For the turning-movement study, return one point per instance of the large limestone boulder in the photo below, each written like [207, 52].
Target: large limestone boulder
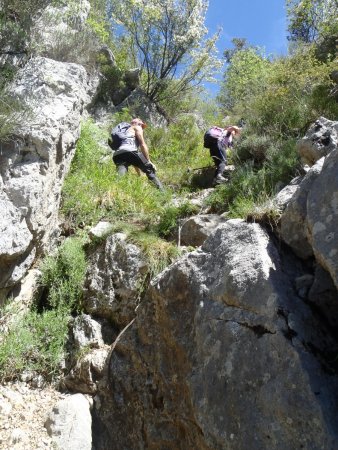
[114, 279]
[69, 424]
[322, 216]
[34, 163]
[222, 355]
[319, 141]
[310, 222]
[293, 227]
[194, 230]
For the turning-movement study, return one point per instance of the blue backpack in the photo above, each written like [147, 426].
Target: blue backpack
[118, 134]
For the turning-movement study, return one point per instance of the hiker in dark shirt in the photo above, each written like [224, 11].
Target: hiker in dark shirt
[133, 151]
[217, 140]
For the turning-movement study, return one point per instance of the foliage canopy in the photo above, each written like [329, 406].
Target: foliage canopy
[167, 39]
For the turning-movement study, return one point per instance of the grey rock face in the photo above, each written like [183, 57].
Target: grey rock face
[293, 228]
[323, 294]
[319, 141]
[196, 229]
[141, 106]
[100, 230]
[221, 357]
[34, 164]
[115, 273]
[322, 216]
[89, 355]
[87, 371]
[285, 195]
[16, 249]
[69, 424]
[310, 222]
[87, 332]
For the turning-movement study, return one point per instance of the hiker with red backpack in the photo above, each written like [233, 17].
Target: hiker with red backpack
[217, 140]
[130, 149]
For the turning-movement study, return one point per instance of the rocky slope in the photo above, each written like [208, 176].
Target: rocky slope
[232, 347]
[223, 354]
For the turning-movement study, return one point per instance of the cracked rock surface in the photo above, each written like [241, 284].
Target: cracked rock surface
[34, 162]
[222, 355]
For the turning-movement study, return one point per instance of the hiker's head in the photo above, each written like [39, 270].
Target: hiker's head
[138, 121]
[234, 129]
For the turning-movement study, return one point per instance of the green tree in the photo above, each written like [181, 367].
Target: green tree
[310, 19]
[16, 20]
[314, 21]
[244, 76]
[239, 44]
[167, 39]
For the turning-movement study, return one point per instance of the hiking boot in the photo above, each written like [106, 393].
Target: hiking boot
[157, 183]
[219, 180]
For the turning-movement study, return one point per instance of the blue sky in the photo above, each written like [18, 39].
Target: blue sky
[261, 22]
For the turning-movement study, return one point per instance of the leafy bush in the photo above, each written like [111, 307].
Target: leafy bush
[170, 217]
[252, 147]
[112, 80]
[178, 148]
[280, 96]
[244, 78]
[63, 275]
[35, 343]
[250, 186]
[36, 340]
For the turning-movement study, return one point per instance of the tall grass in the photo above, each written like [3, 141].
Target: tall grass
[251, 186]
[93, 190]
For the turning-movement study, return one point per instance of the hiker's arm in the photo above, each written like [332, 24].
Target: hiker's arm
[141, 141]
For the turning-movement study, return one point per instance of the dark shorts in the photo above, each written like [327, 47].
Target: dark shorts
[136, 159]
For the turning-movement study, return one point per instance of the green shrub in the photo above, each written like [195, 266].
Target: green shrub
[250, 186]
[158, 252]
[252, 147]
[63, 275]
[35, 343]
[111, 80]
[36, 340]
[177, 149]
[170, 216]
[280, 96]
[285, 105]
